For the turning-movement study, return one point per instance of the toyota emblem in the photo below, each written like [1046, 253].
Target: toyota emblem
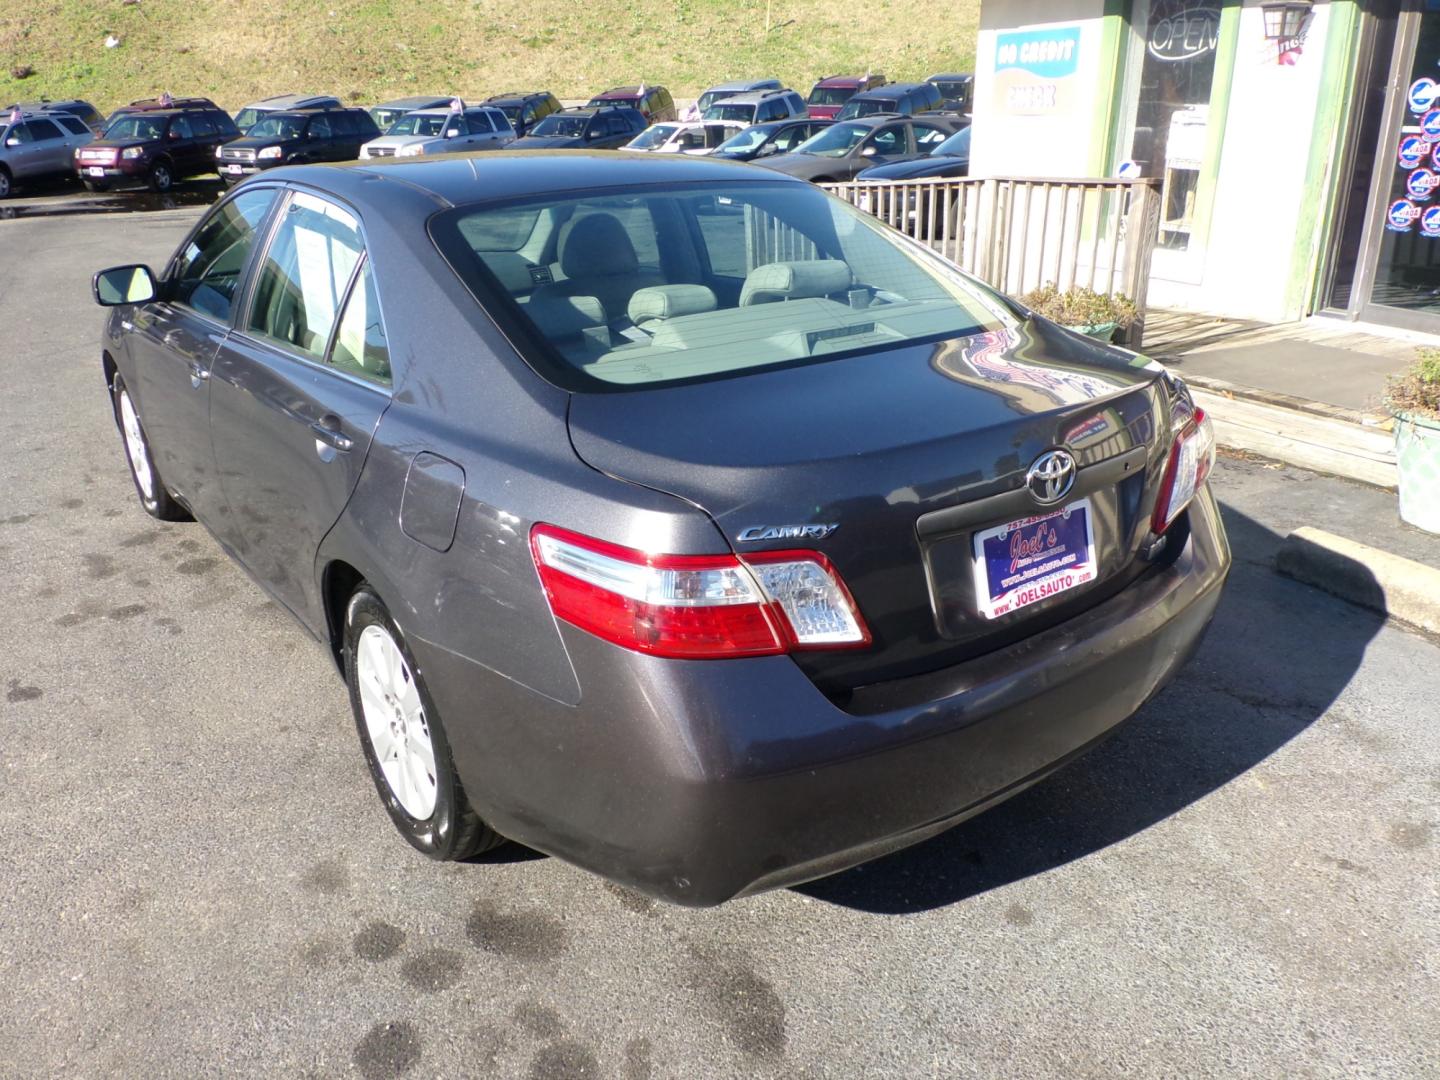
[1051, 476]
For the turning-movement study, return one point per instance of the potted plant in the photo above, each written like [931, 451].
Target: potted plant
[1097, 315]
[1414, 401]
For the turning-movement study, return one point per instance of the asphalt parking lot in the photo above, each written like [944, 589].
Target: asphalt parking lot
[199, 878]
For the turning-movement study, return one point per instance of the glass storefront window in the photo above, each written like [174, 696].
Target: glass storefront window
[1171, 105]
[1407, 269]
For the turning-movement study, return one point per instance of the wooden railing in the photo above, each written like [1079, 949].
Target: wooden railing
[1019, 233]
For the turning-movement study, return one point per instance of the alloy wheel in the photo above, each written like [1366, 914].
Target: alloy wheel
[395, 721]
[135, 446]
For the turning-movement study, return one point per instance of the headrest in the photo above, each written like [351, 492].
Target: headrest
[511, 269]
[597, 244]
[564, 316]
[795, 280]
[668, 302]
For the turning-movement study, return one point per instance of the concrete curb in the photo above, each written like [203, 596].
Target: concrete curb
[1366, 576]
[1307, 438]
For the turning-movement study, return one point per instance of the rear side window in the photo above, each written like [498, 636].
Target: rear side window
[205, 274]
[360, 347]
[305, 275]
[74, 125]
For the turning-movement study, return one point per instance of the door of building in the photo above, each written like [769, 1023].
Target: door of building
[1385, 264]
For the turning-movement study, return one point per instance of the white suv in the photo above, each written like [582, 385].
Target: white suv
[442, 131]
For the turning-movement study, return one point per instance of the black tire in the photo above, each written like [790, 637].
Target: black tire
[162, 176]
[91, 185]
[154, 496]
[6, 187]
[453, 830]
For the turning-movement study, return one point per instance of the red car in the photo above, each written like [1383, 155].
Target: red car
[831, 93]
[652, 102]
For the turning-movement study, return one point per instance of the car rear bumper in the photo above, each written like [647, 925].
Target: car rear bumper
[700, 781]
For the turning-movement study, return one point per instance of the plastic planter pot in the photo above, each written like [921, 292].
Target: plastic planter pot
[1417, 454]
[1100, 331]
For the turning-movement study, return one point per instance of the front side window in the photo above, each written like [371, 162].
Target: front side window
[320, 128]
[889, 141]
[835, 141]
[782, 275]
[305, 275]
[206, 273]
[653, 136]
[565, 127]
[180, 128]
[927, 137]
[429, 124]
[278, 127]
[479, 122]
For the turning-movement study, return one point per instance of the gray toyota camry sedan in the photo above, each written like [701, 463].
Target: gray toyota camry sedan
[668, 516]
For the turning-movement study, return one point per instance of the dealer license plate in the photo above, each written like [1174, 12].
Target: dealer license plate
[96, 170]
[1023, 562]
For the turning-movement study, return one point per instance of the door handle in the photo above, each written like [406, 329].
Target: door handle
[198, 376]
[327, 433]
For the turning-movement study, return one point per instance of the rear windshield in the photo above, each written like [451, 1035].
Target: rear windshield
[247, 117]
[711, 96]
[830, 95]
[616, 290]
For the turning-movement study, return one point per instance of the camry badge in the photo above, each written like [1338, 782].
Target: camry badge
[1051, 476]
[756, 533]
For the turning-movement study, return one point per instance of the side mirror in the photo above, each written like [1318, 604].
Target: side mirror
[174, 134]
[868, 151]
[767, 150]
[450, 133]
[592, 134]
[133, 284]
[12, 142]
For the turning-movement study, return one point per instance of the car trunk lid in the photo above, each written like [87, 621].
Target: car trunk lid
[909, 453]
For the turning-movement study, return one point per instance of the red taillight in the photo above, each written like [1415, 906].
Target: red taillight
[696, 606]
[1192, 456]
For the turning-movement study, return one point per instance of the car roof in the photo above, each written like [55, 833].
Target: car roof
[752, 97]
[591, 110]
[412, 103]
[176, 105]
[276, 102]
[744, 84]
[893, 90]
[517, 98]
[626, 91]
[959, 76]
[306, 114]
[845, 80]
[499, 175]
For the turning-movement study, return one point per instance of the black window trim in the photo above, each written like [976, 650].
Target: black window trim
[242, 292]
[240, 326]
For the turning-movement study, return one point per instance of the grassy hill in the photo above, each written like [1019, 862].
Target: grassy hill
[368, 50]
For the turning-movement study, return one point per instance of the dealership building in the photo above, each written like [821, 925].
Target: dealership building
[1296, 145]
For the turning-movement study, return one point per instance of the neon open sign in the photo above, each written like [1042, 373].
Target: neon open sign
[1185, 35]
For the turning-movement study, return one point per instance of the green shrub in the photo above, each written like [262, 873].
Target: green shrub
[1417, 390]
[1079, 306]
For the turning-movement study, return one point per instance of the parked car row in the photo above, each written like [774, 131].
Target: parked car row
[159, 141]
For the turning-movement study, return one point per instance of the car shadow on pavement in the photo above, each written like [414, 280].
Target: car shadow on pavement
[1277, 656]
